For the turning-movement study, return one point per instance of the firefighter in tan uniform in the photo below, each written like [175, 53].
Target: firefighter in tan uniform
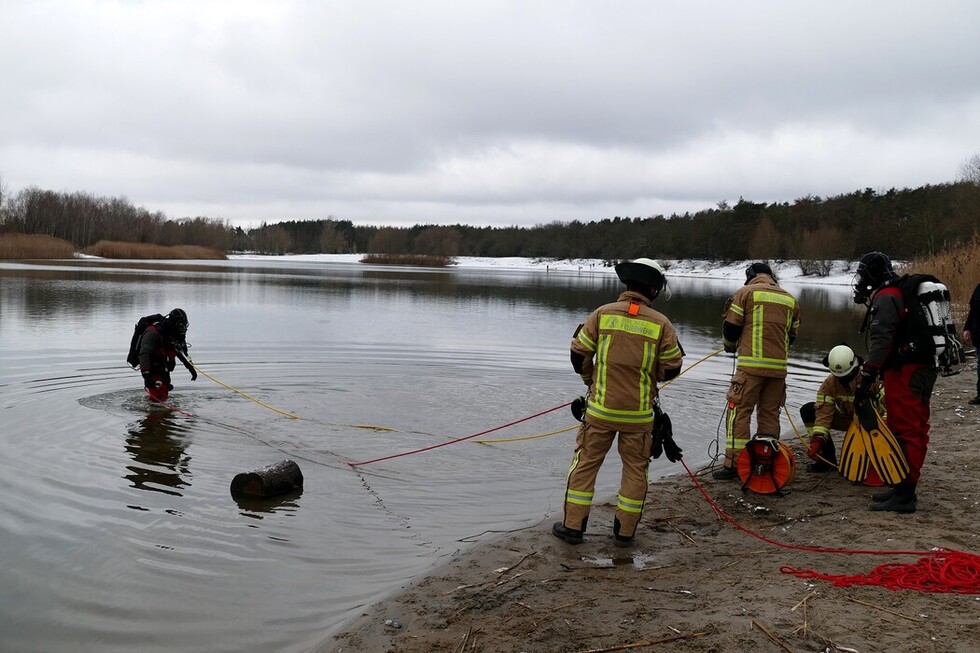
[761, 322]
[621, 352]
[834, 407]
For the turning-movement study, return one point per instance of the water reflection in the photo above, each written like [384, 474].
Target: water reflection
[159, 453]
[284, 503]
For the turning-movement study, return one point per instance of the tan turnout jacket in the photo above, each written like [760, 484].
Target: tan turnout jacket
[770, 319]
[628, 346]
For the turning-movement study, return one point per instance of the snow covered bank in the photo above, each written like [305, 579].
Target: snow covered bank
[786, 271]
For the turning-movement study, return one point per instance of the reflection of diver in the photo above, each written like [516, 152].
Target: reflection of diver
[160, 462]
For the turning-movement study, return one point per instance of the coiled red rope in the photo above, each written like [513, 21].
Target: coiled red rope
[941, 570]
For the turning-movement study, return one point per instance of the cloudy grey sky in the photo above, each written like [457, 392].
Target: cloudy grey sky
[482, 112]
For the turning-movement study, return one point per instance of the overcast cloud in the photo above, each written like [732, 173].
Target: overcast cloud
[482, 113]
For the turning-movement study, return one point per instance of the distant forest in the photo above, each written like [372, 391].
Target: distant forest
[907, 224]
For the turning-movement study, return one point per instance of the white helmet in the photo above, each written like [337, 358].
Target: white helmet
[841, 360]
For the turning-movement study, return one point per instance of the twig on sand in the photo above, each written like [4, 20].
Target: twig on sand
[688, 537]
[805, 627]
[772, 636]
[568, 605]
[466, 638]
[648, 642]
[502, 570]
[805, 599]
[878, 607]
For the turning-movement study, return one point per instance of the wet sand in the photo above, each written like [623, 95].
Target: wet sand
[695, 582]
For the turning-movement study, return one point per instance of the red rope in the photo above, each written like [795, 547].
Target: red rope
[165, 404]
[468, 437]
[940, 570]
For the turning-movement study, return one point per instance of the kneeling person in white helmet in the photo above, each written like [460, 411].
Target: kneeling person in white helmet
[834, 407]
[621, 351]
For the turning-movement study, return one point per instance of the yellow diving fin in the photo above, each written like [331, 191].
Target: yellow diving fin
[885, 452]
[854, 458]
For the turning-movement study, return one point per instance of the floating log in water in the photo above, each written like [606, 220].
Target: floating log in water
[279, 478]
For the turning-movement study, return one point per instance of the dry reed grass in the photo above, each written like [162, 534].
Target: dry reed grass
[122, 250]
[32, 246]
[424, 260]
[959, 270]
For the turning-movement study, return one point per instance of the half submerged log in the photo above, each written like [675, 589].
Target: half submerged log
[284, 476]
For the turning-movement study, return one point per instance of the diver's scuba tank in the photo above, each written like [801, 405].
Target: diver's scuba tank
[934, 299]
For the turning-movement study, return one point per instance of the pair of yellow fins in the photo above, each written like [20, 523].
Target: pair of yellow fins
[870, 444]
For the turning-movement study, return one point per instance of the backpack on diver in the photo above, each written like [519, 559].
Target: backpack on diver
[134, 344]
[931, 328]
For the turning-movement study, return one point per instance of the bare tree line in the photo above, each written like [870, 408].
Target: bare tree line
[907, 223]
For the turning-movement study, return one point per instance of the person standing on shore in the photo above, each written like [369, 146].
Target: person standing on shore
[909, 372]
[621, 351]
[761, 321]
[160, 346]
[971, 332]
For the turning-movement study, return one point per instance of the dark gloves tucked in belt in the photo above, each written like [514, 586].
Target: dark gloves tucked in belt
[663, 438]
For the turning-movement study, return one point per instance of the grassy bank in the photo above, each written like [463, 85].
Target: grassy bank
[116, 249]
[27, 246]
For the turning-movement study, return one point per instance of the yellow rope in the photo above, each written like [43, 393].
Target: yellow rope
[691, 366]
[806, 445]
[528, 437]
[570, 428]
[247, 396]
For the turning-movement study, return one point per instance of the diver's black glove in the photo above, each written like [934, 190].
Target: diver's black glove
[863, 391]
[148, 381]
[190, 368]
[578, 408]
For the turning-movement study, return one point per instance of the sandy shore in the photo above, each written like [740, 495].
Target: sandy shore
[695, 582]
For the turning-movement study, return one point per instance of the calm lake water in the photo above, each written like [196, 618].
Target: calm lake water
[117, 529]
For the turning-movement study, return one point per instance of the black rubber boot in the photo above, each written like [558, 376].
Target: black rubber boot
[725, 474]
[620, 540]
[902, 500]
[883, 495]
[569, 535]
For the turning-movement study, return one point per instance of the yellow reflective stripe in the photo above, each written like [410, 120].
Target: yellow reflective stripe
[585, 340]
[630, 325]
[758, 322]
[825, 399]
[630, 505]
[670, 354]
[768, 297]
[599, 373]
[643, 416]
[821, 430]
[647, 364]
[578, 498]
[737, 310]
[571, 467]
[762, 363]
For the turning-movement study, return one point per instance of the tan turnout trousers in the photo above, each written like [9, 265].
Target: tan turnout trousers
[592, 445]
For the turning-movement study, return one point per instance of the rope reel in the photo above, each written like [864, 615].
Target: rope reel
[766, 466]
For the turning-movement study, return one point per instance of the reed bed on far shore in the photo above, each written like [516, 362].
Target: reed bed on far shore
[423, 260]
[959, 270]
[28, 246]
[117, 250]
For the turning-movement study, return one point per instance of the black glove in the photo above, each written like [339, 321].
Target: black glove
[863, 391]
[578, 408]
[148, 381]
[170, 386]
[190, 368]
[671, 450]
[663, 437]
